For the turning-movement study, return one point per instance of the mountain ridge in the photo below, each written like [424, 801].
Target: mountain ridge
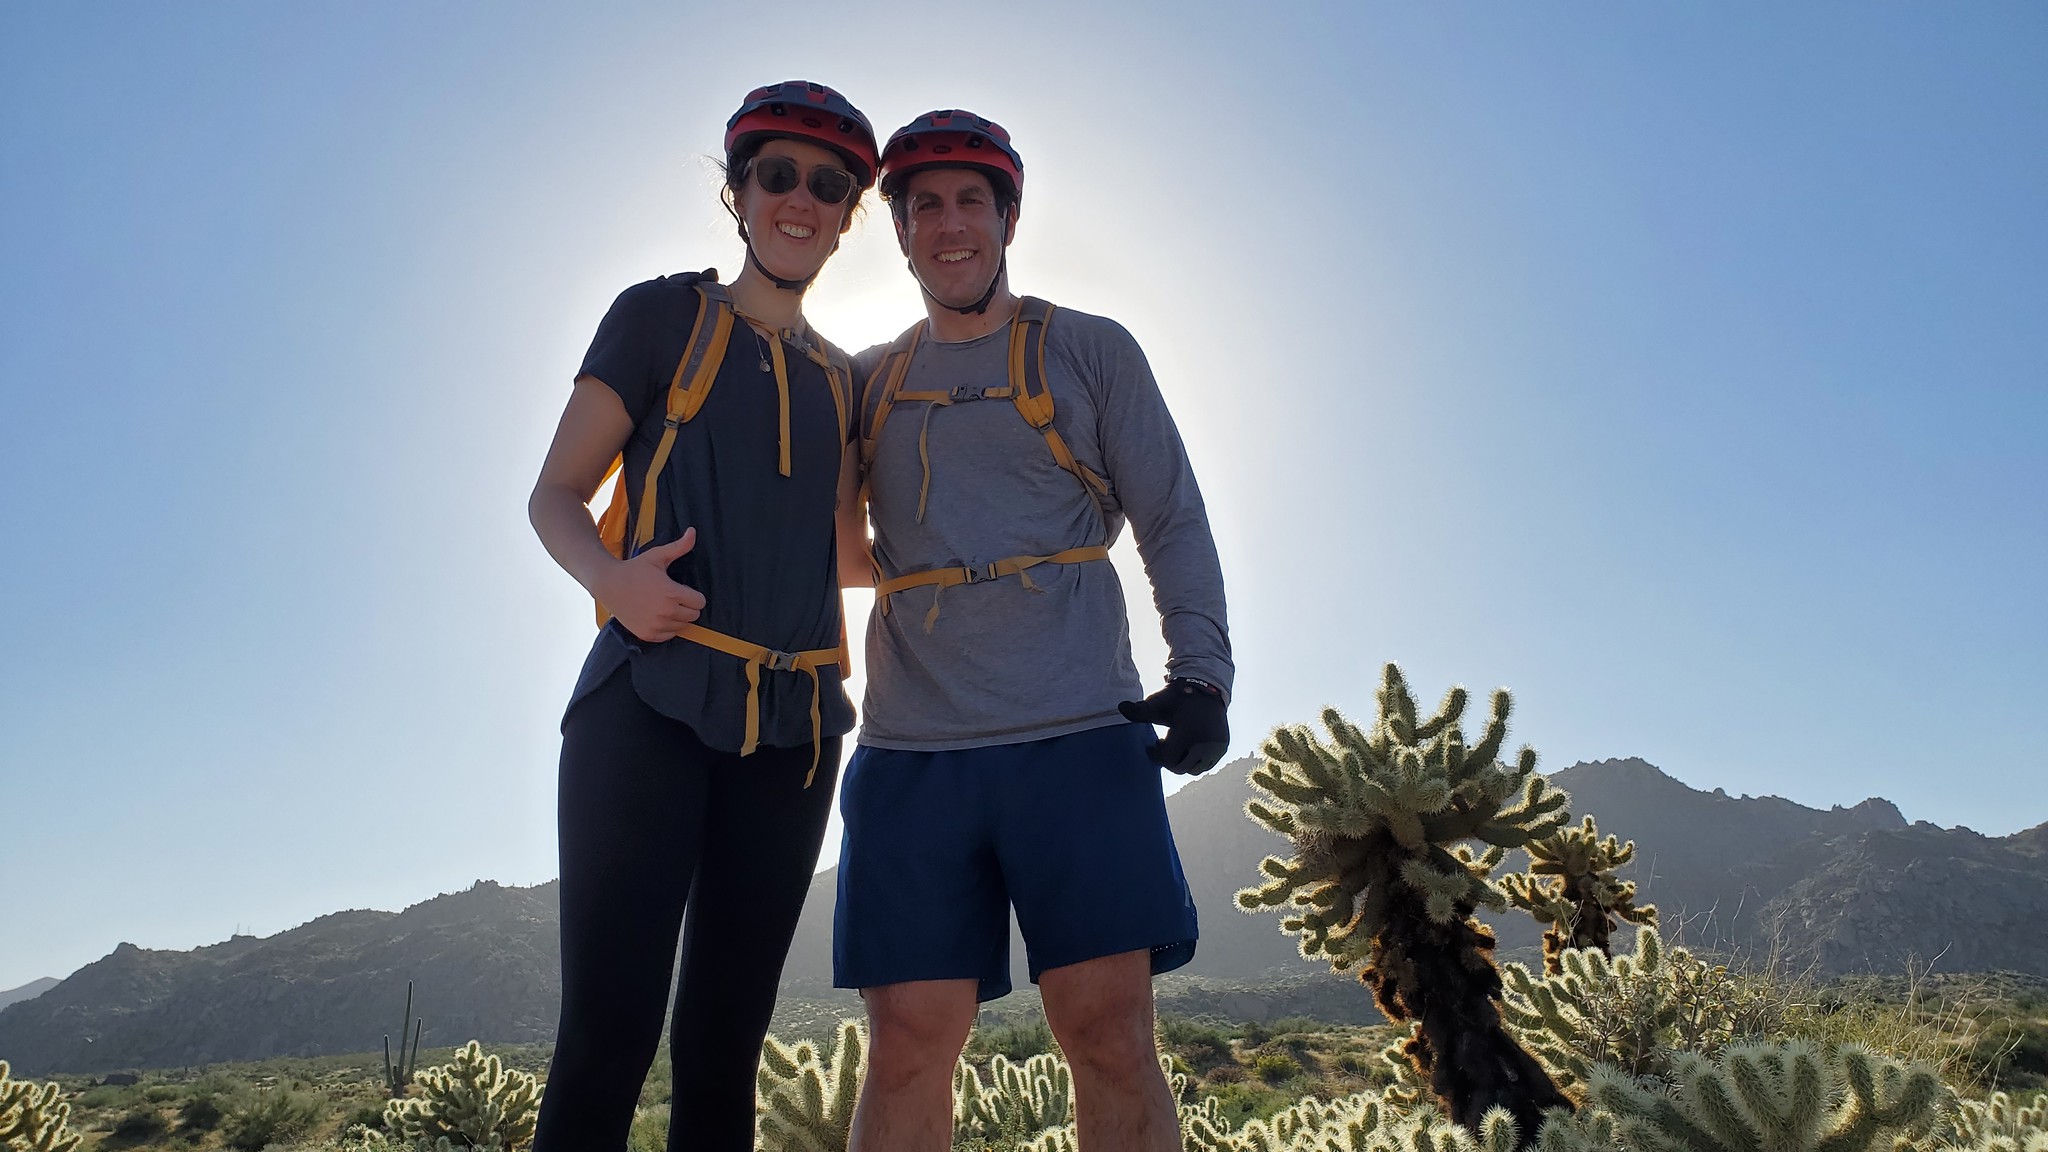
[1848, 889]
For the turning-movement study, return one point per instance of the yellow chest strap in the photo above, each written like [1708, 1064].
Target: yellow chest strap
[1030, 393]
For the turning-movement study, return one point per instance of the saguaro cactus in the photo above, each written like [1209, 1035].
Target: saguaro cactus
[398, 1077]
[33, 1117]
[1383, 872]
[1571, 887]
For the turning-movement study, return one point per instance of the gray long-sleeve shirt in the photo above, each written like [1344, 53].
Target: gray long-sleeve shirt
[1004, 664]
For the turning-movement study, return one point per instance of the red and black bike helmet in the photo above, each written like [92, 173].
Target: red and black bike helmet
[802, 110]
[952, 138]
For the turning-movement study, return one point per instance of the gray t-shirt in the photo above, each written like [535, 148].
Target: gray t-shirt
[1003, 663]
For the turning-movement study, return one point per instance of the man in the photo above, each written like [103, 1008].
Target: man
[1004, 758]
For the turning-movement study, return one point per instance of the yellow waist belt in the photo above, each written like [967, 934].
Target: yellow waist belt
[757, 658]
[943, 578]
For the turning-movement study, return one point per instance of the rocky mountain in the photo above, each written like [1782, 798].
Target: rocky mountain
[28, 991]
[483, 962]
[1854, 889]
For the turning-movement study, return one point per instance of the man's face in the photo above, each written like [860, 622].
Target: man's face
[952, 233]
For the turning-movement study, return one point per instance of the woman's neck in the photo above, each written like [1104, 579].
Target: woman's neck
[754, 295]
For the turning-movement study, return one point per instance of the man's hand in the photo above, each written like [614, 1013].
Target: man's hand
[640, 595]
[1196, 722]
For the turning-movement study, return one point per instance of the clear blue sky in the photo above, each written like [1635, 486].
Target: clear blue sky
[1680, 366]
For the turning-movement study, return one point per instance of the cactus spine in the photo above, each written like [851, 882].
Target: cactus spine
[473, 1101]
[1635, 1011]
[398, 1077]
[806, 1104]
[2002, 1124]
[1789, 1096]
[1571, 887]
[1019, 1100]
[1382, 872]
[33, 1117]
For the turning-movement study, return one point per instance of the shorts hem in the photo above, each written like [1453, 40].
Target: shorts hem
[1165, 957]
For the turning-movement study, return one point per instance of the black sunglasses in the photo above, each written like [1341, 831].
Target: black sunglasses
[777, 175]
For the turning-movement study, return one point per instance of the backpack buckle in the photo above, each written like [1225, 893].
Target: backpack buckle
[781, 662]
[961, 393]
[981, 575]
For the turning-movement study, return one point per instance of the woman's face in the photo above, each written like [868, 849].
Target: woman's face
[793, 232]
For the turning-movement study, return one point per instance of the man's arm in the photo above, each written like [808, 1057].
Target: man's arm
[1148, 468]
[856, 568]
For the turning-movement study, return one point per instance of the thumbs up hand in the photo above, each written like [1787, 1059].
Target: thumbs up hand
[639, 594]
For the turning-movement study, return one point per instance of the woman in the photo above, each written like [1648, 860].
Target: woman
[701, 742]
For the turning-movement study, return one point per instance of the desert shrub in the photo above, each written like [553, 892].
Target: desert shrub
[140, 1123]
[650, 1130]
[271, 1117]
[161, 1093]
[1921, 1025]
[201, 1112]
[1203, 1046]
[365, 1116]
[1014, 1040]
[1275, 1067]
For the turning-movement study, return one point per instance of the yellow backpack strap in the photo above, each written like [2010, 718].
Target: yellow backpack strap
[888, 376]
[687, 390]
[1030, 393]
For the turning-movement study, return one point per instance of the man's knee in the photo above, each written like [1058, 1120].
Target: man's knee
[1101, 1010]
[916, 1026]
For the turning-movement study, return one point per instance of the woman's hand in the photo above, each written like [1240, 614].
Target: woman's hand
[639, 594]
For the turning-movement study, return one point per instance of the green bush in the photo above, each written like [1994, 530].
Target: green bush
[272, 1117]
[1275, 1067]
[161, 1093]
[201, 1112]
[1202, 1046]
[141, 1123]
[650, 1130]
[1016, 1040]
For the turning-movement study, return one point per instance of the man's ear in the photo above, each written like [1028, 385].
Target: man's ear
[1010, 229]
[902, 237]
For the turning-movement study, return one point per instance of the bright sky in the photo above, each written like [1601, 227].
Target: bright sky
[1680, 366]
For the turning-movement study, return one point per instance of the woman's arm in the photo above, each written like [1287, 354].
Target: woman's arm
[594, 427]
[856, 569]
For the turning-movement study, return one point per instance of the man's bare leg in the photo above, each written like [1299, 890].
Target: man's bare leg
[1101, 1012]
[915, 1033]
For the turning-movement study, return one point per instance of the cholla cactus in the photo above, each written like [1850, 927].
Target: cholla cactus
[1789, 1096]
[1635, 1011]
[806, 1104]
[2001, 1124]
[1020, 1100]
[472, 1101]
[1383, 872]
[33, 1117]
[1571, 887]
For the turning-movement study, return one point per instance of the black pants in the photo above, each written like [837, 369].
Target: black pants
[660, 833]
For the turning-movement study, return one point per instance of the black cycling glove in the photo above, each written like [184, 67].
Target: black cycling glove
[1196, 721]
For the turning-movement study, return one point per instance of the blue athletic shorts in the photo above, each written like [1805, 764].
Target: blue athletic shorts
[939, 845]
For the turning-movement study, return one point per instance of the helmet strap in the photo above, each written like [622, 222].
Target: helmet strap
[798, 286]
[979, 307]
